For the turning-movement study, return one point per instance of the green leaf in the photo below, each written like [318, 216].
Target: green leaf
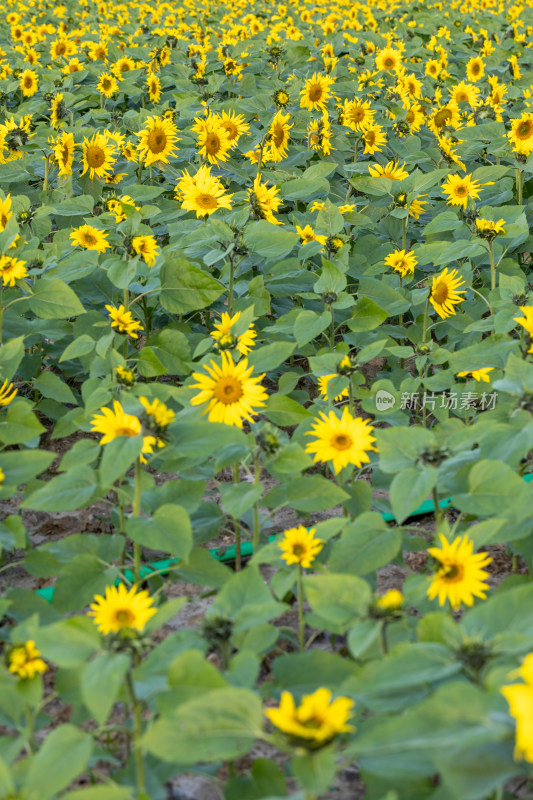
[69, 642]
[81, 346]
[399, 448]
[269, 240]
[72, 490]
[308, 325]
[190, 675]
[366, 545]
[185, 287]
[168, 530]
[246, 600]
[285, 411]
[308, 493]
[315, 771]
[20, 424]
[107, 792]
[494, 489]
[53, 299]
[332, 279]
[20, 466]
[238, 498]
[219, 725]
[270, 356]
[50, 385]
[62, 757]
[79, 580]
[304, 188]
[330, 219]
[337, 599]
[366, 316]
[118, 456]
[11, 354]
[101, 682]
[301, 673]
[409, 488]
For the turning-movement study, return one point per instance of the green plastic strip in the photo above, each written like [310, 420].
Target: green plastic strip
[427, 507]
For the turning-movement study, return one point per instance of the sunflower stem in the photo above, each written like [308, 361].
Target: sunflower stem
[46, 173]
[350, 396]
[425, 324]
[237, 525]
[519, 186]
[437, 509]
[404, 235]
[332, 327]
[492, 266]
[257, 475]
[136, 512]
[383, 639]
[1, 312]
[137, 729]
[301, 621]
[231, 281]
[29, 728]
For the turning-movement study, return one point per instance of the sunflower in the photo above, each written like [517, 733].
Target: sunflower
[89, 238]
[416, 209]
[393, 171]
[343, 441]
[445, 292]
[59, 48]
[58, 110]
[448, 152]
[520, 699]
[125, 376]
[465, 93]
[203, 192]
[319, 134]
[357, 115]
[7, 393]
[5, 212]
[264, 201]
[374, 139]
[433, 67]
[146, 247]
[116, 422]
[225, 338]
[97, 51]
[123, 321]
[402, 262]
[412, 85]
[526, 322]
[300, 546]
[107, 85]
[460, 575]
[24, 660]
[521, 134]
[157, 140]
[98, 156]
[11, 270]
[475, 69]
[278, 137]
[317, 719]
[153, 87]
[121, 609]
[63, 153]
[323, 383]
[514, 68]
[479, 375]
[443, 117]
[390, 601]
[159, 416]
[122, 66]
[213, 140]
[488, 229]
[459, 189]
[74, 65]
[414, 117]
[229, 390]
[388, 59]
[316, 91]
[281, 98]
[307, 235]
[234, 125]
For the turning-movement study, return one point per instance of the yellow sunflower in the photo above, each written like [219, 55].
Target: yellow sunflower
[520, 699]
[159, 416]
[12, 270]
[459, 189]
[58, 110]
[89, 238]
[343, 441]
[213, 141]
[307, 235]
[98, 156]
[123, 321]
[121, 609]
[402, 262]
[443, 117]
[153, 87]
[357, 114]
[475, 69]
[300, 546]
[278, 137]
[264, 201]
[479, 375]
[107, 85]
[225, 338]
[316, 91]
[25, 661]
[392, 170]
[460, 576]
[202, 193]
[374, 139]
[521, 134]
[123, 65]
[28, 83]
[488, 229]
[317, 719]
[146, 247]
[230, 392]
[388, 59]
[445, 293]
[323, 383]
[234, 125]
[465, 93]
[63, 153]
[157, 140]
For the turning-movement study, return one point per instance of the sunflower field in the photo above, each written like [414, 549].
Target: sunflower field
[266, 400]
